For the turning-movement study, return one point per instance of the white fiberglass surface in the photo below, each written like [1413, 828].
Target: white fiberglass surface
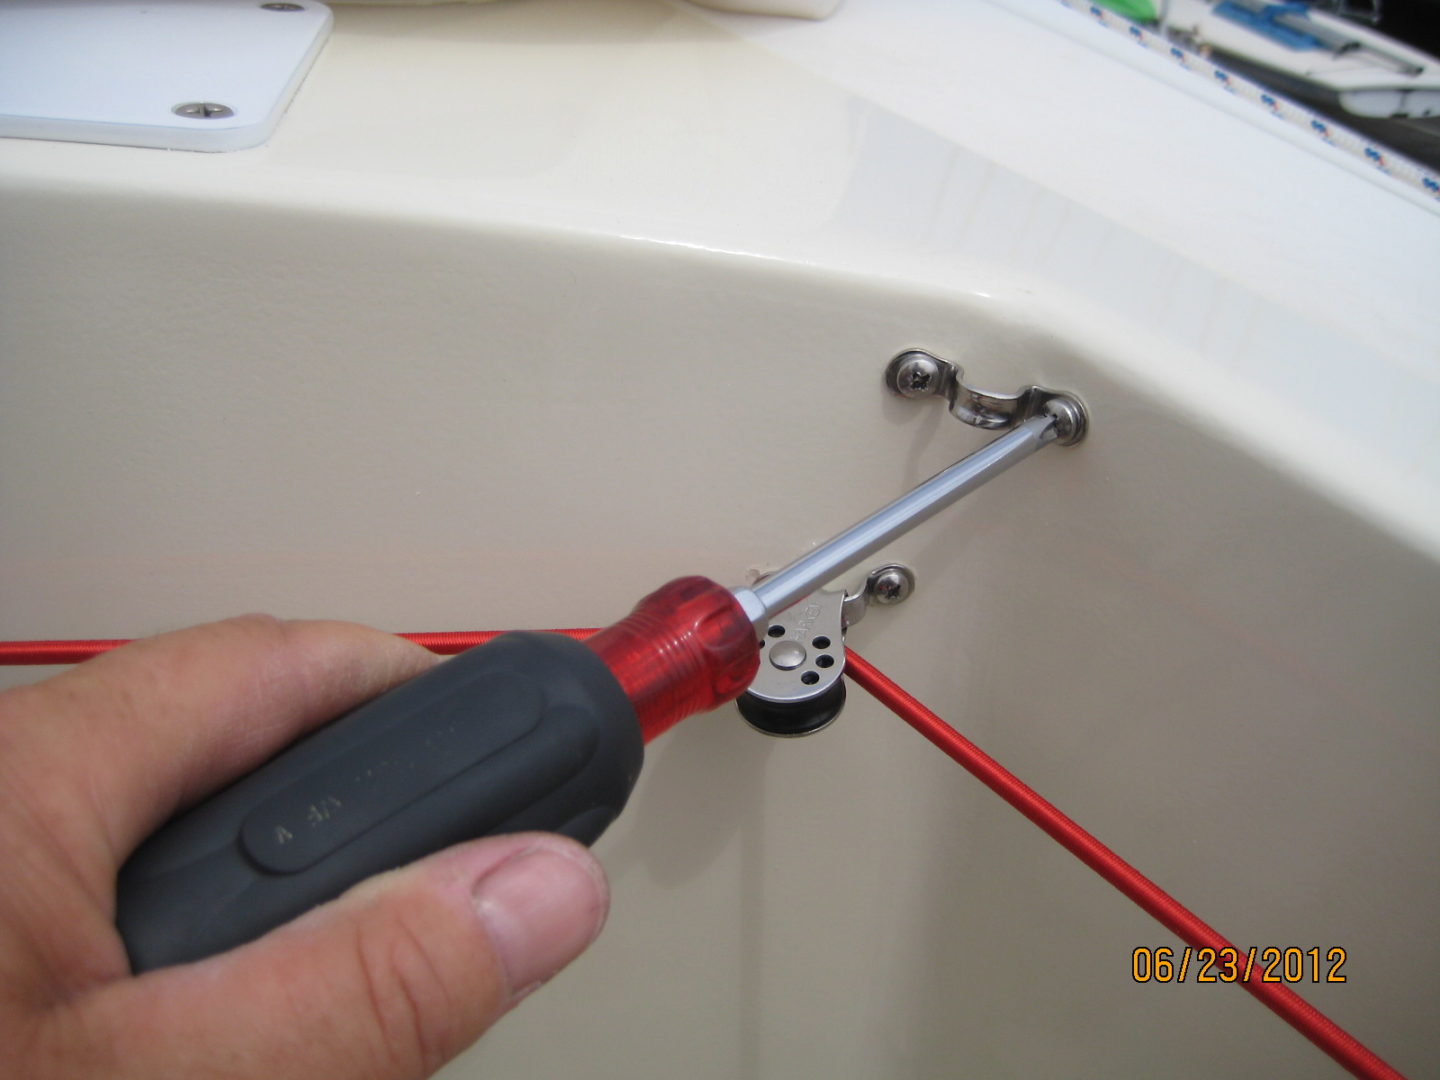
[618, 311]
[1265, 275]
[1078, 109]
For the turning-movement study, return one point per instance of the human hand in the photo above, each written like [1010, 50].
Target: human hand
[390, 980]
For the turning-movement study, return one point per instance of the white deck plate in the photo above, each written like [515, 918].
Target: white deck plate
[113, 71]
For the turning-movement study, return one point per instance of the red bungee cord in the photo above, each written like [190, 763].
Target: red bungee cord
[445, 643]
[1169, 912]
[1155, 901]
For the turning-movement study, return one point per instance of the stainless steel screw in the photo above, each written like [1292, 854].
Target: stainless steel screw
[890, 584]
[203, 110]
[1070, 419]
[915, 375]
[282, 7]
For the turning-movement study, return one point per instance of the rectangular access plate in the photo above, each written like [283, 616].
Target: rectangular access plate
[116, 71]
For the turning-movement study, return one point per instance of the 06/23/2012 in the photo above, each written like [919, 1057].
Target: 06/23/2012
[1271, 964]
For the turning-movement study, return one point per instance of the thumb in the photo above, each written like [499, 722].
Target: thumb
[391, 980]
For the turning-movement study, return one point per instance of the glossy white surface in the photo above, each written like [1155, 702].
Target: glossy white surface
[802, 9]
[114, 71]
[515, 361]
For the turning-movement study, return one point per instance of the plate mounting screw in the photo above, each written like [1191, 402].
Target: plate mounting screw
[203, 110]
[914, 375]
[890, 584]
[282, 7]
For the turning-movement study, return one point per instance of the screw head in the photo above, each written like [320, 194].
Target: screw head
[1070, 419]
[914, 375]
[203, 110]
[890, 584]
[282, 7]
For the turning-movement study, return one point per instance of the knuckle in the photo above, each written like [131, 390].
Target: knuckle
[413, 1004]
[256, 622]
[257, 629]
[57, 1042]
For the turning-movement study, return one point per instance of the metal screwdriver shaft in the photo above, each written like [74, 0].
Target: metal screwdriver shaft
[840, 553]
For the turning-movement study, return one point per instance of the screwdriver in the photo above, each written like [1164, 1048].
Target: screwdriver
[529, 731]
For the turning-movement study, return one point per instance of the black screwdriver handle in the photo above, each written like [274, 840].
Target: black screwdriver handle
[531, 731]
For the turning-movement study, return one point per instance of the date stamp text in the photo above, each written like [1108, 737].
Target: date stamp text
[1270, 964]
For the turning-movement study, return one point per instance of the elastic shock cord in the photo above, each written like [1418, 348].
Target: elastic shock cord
[1309, 1021]
[1155, 901]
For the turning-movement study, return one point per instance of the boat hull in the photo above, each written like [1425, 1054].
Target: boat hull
[437, 389]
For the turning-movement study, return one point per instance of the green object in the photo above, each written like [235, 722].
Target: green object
[1140, 11]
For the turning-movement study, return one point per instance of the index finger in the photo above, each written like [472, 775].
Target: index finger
[118, 744]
